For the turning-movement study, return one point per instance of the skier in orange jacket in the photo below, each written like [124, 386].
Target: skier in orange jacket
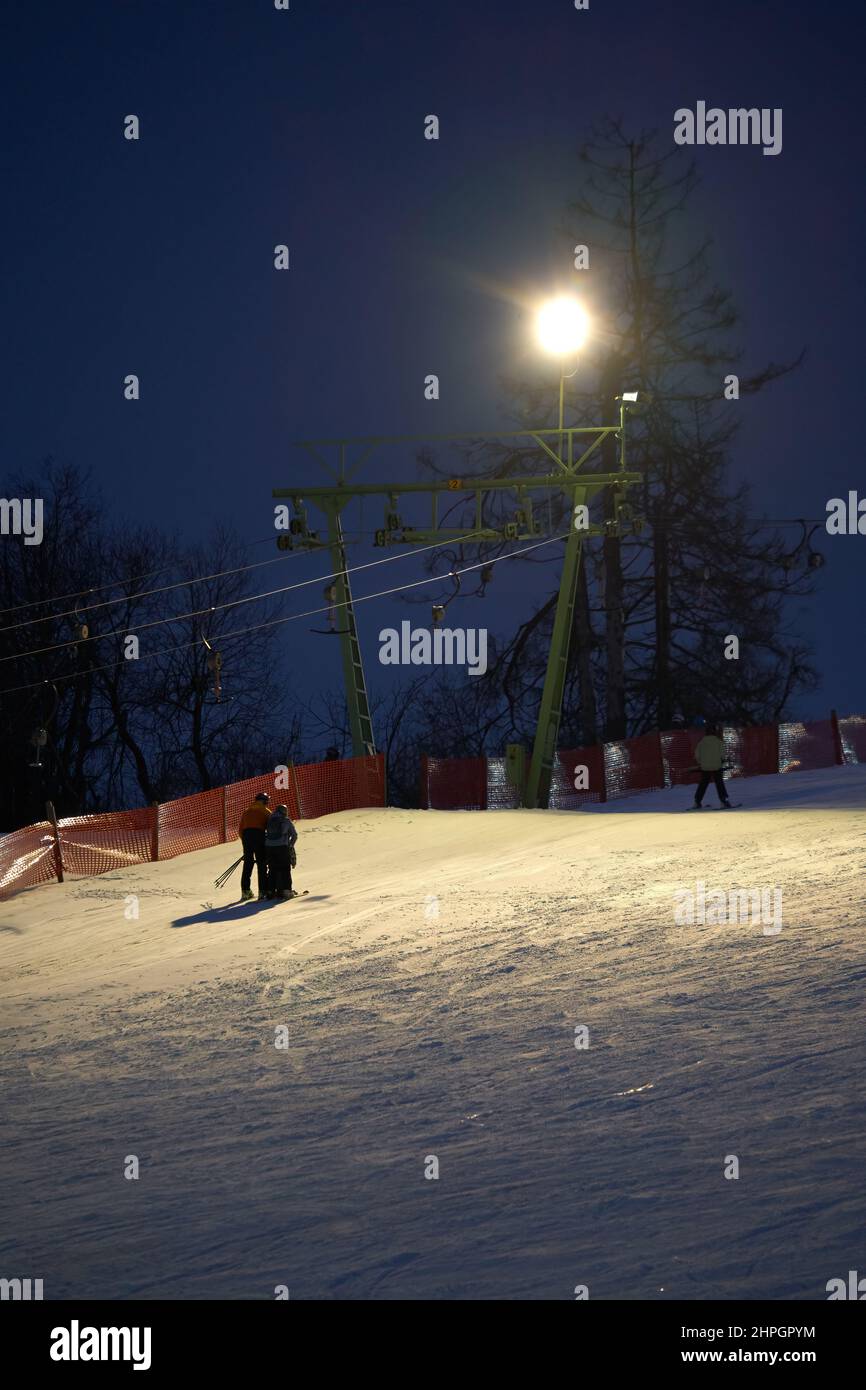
[252, 833]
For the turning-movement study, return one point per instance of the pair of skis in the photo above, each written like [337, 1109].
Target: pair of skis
[731, 806]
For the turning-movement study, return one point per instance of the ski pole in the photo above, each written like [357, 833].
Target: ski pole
[224, 878]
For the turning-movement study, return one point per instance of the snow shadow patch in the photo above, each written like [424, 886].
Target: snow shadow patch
[232, 912]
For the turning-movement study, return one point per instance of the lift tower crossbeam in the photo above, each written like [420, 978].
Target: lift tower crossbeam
[563, 448]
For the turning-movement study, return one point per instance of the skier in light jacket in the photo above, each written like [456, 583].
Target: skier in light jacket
[710, 752]
[280, 837]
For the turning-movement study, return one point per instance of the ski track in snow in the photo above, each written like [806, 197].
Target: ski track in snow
[453, 1037]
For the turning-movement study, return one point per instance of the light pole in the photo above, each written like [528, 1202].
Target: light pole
[562, 327]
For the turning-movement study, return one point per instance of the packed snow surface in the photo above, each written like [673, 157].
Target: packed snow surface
[431, 984]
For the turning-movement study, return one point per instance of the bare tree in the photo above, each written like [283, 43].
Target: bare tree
[126, 725]
[653, 608]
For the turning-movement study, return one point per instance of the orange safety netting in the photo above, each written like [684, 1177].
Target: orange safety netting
[646, 762]
[191, 822]
[678, 755]
[454, 784]
[502, 794]
[633, 765]
[96, 844]
[852, 731]
[751, 752]
[26, 858]
[467, 784]
[804, 747]
[567, 769]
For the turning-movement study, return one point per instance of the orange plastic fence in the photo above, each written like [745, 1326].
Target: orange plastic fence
[96, 844]
[749, 752]
[754, 752]
[678, 754]
[564, 795]
[852, 732]
[647, 762]
[502, 795]
[806, 746]
[26, 858]
[460, 784]
[633, 765]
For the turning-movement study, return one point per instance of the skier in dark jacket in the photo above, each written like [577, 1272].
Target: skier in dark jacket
[280, 837]
[252, 832]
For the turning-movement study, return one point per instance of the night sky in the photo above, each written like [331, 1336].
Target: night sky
[407, 256]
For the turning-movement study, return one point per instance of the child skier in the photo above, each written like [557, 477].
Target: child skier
[280, 837]
[709, 753]
[252, 833]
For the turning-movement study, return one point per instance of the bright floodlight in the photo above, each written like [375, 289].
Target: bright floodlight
[562, 326]
[629, 395]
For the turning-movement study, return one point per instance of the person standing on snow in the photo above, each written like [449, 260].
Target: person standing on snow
[280, 837]
[709, 753]
[252, 832]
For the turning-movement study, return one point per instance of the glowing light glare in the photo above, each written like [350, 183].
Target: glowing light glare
[562, 326]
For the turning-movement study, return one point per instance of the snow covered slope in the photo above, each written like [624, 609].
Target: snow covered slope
[431, 984]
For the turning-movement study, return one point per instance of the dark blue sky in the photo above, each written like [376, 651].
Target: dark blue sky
[408, 256]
